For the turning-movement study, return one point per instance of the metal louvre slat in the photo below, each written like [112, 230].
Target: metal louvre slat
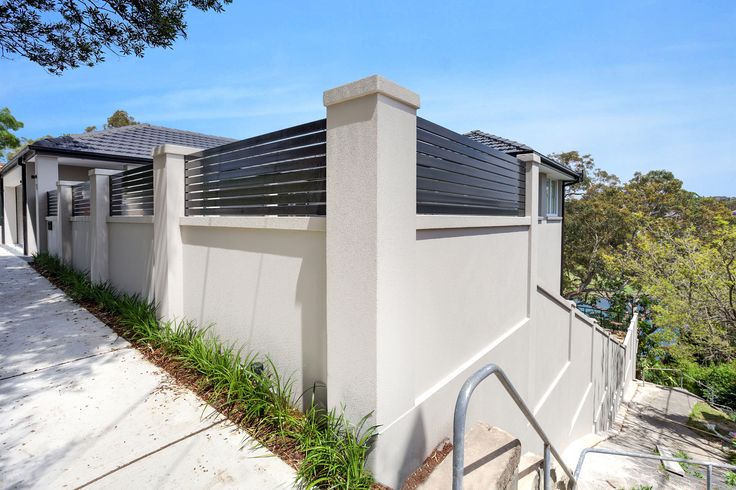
[279, 173]
[52, 203]
[80, 199]
[456, 175]
[131, 192]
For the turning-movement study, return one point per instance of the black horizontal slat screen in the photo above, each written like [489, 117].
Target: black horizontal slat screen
[278, 173]
[80, 199]
[52, 203]
[456, 175]
[131, 192]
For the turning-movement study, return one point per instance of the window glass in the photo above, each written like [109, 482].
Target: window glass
[553, 197]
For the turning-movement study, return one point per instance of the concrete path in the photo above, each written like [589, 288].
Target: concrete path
[79, 407]
[656, 416]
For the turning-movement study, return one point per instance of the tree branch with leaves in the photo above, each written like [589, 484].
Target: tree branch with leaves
[63, 34]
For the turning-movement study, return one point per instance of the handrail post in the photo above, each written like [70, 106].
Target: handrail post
[547, 469]
[709, 476]
[458, 428]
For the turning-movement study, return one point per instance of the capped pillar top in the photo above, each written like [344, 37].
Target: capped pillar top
[375, 84]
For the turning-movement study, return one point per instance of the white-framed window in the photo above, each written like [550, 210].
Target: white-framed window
[552, 193]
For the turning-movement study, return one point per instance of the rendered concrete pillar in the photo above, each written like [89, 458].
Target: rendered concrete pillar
[168, 208]
[47, 174]
[99, 210]
[63, 217]
[30, 239]
[11, 182]
[370, 244]
[532, 211]
[9, 215]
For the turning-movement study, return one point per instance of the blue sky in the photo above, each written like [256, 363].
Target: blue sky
[640, 85]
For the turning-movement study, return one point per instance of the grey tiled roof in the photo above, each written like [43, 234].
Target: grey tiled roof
[502, 144]
[130, 141]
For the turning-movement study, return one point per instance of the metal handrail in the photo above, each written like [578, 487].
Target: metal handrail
[708, 464]
[461, 411]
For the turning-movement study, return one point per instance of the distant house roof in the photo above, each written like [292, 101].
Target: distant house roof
[135, 141]
[515, 148]
[501, 144]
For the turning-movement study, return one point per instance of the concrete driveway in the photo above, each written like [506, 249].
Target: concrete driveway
[79, 407]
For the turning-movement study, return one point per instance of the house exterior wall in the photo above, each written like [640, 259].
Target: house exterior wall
[261, 288]
[130, 242]
[73, 173]
[80, 243]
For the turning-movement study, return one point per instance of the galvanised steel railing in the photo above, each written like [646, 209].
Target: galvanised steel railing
[709, 465]
[461, 410]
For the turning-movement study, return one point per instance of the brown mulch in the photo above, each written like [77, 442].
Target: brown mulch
[421, 474]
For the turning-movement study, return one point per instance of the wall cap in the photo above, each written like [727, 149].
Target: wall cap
[442, 221]
[298, 223]
[171, 149]
[530, 157]
[130, 219]
[375, 84]
[102, 171]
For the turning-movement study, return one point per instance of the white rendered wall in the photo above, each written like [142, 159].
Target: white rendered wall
[263, 289]
[80, 243]
[471, 299]
[130, 242]
[550, 252]
[470, 289]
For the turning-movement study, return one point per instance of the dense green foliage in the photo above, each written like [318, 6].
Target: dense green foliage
[243, 384]
[63, 34]
[120, 118]
[8, 125]
[650, 242]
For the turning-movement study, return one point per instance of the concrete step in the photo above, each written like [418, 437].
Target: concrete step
[531, 473]
[491, 462]
[531, 469]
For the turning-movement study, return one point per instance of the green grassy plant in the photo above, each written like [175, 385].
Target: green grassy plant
[730, 479]
[687, 468]
[245, 385]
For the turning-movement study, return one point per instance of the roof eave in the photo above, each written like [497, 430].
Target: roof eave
[14, 161]
[107, 157]
[574, 176]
